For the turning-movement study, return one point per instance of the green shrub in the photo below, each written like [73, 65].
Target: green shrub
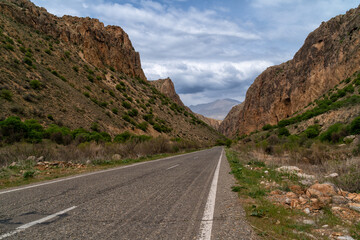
[76, 68]
[87, 94]
[162, 128]
[6, 94]
[28, 61]
[283, 131]
[349, 88]
[29, 174]
[312, 131]
[267, 127]
[13, 129]
[50, 117]
[35, 84]
[112, 68]
[355, 126]
[90, 78]
[143, 126]
[47, 51]
[123, 137]
[115, 110]
[95, 127]
[126, 104]
[347, 80]
[9, 47]
[133, 112]
[330, 134]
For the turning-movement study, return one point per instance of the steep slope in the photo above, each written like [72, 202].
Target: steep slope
[75, 72]
[330, 54]
[217, 109]
[166, 86]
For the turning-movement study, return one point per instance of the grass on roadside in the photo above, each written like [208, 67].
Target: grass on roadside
[269, 220]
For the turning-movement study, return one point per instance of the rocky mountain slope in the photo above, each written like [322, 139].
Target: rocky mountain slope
[217, 109]
[330, 54]
[75, 72]
[166, 86]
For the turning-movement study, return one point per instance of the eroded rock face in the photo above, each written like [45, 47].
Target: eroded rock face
[330, 54]
[166, 86]
[103, 46]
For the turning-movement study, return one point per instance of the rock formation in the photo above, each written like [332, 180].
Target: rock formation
[103, 46]
[330, 54]
[166, 86]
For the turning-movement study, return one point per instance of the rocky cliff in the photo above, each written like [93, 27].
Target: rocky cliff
[166, 86]
[330, 54]
[103, 46]
[74, 72]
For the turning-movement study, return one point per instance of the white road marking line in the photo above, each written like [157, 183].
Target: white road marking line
[30, 224]
[93, 173]
[173, 167]
[207, 220]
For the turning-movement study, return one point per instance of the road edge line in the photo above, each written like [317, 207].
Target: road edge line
[207, 220]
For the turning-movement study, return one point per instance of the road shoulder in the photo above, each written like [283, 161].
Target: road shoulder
[229, 216]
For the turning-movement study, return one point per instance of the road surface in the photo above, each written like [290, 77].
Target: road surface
[180, 197]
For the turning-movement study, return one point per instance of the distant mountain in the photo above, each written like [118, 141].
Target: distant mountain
[217, 109]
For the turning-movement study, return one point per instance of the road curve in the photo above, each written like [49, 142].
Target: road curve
[161, 199]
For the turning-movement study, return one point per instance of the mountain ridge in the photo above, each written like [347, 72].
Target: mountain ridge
[330, 54]
[217, 109]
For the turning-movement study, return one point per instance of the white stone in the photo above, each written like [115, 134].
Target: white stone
[309, 222]
[31, 158]
[40, 159]
[332, 175]
[307, 210]
[288, 169]
[345, 238]
[116, 157]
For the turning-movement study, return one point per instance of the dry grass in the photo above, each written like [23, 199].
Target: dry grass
[90, 151]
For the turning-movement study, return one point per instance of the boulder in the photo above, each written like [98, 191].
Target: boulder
[40, 159]
[336, 199]
[288, 169]
[322, 190]
[355, 206]
[31, 158]
[116, 157]
[332, 175]
[296, 189]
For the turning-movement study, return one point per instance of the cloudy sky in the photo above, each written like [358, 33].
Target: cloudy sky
[211, 49]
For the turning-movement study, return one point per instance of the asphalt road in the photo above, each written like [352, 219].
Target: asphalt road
[162, 199]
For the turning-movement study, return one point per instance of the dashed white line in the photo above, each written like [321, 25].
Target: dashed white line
[30, 224]
[207, 220]
[173, 167]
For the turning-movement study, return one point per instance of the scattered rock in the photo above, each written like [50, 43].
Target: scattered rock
[266, 171]
[306, 176]
[40, 159]
[13, 164]
[116, 157]
[291, 195]
[355, 206]
[349, 138]
[88, 162]
[288, 169]
[296, 189]
[309, 222]
[322, 190]
[307, 182]
[345, 238]
[332, 175]
[307, 210]
[31, 158]
[336, 199]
